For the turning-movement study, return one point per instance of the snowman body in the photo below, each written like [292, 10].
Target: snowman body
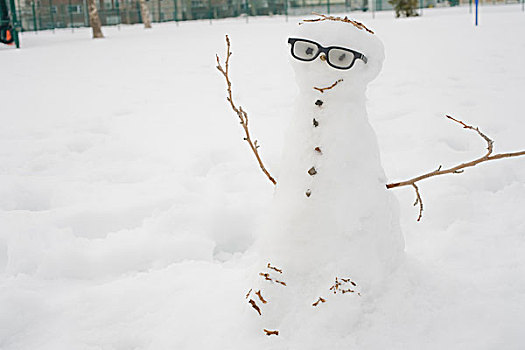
[332, 216]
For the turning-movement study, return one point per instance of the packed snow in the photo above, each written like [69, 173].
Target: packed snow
[130, 205]
[332, 218]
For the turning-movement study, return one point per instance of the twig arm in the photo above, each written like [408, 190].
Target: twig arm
[458, 168]
[243, 116]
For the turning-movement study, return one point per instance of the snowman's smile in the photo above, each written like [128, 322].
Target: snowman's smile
[322, 90]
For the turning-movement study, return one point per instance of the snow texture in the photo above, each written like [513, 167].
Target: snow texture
[129, 204]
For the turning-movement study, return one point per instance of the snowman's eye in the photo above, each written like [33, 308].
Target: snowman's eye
[305, 50]
[340, 58]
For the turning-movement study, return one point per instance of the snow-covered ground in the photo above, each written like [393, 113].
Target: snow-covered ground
[128, 199]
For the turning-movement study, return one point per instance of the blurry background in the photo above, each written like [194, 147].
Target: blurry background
[52, 14]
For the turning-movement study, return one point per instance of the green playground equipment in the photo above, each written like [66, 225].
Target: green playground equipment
[9, 25]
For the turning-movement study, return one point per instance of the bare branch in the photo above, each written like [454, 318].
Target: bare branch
[458, 169]
[243, 116]
[490, 143]
[357, 24]
[321, 90]
[418, 200]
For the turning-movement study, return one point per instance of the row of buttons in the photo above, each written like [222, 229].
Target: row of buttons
[312, 171]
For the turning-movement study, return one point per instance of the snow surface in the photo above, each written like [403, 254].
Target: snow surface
[128, 200]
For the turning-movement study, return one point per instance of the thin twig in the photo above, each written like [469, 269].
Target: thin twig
[458, 169]
[266, 276]
[269, 332]
[418, 200]
[490, 143]
[260, 297]
[254, 305]
[321, 90]
[357, 24]
[320, 300]
[243, 116]
[274, 268]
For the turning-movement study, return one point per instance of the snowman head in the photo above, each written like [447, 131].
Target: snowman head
[326, 51]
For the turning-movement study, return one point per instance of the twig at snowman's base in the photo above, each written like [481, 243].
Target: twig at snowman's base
[458, 169]
[320, 300]
[259, 294]
[270, 267]
[243, 116]
[254, 305]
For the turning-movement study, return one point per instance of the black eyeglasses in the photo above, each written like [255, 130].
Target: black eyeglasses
[337, 57]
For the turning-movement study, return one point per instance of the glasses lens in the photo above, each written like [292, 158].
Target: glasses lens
[305, 50]
[340, 58]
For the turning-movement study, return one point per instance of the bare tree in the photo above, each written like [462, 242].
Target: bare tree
[144, 12]
[94, 20]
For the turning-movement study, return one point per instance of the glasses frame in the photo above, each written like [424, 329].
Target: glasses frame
[326, 50]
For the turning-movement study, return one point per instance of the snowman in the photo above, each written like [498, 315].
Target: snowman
[333, 235]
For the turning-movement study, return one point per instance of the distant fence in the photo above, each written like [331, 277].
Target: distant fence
[50, 14]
